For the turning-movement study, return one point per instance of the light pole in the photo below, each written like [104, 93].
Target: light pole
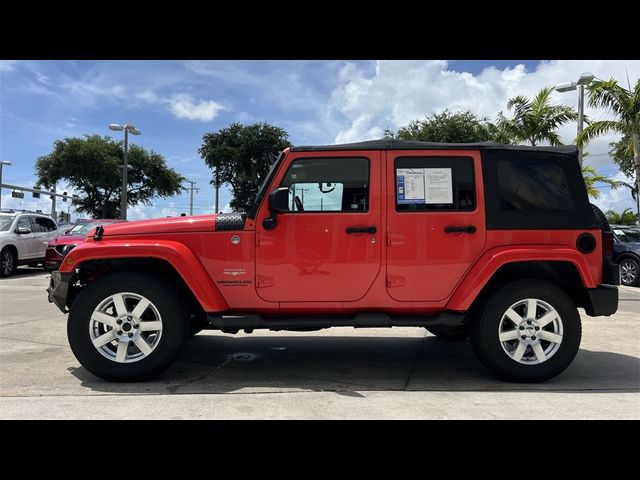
[2, 163]
[127, 127]
[585, 79]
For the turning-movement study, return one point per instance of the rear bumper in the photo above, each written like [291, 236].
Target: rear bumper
[58, 289]
[602, 301]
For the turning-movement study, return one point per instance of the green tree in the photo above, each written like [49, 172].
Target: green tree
[621, 153]
[536, 120]
[592, 177]
[457, 127]
[627, 217]
[625, 105]
[240, 155]
[93, 167]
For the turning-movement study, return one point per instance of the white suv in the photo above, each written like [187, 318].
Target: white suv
[23, 239]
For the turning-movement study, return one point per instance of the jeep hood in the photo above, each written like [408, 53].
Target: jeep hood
[200, 223]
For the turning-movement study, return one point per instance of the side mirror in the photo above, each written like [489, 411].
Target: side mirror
[279, 200]
[22, 230]
[278, 203]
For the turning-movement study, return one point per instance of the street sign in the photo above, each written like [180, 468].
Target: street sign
[15, 194]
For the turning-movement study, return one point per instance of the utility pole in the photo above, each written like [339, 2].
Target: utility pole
[53, 202]
[192, 183]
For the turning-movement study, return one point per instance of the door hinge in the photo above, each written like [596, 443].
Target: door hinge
[395, 281]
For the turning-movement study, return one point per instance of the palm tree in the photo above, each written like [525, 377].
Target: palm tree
[625, 105]
[536, 120]
[591, 177]
[627, 217]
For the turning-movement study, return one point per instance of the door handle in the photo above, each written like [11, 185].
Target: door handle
[459, 229]
[361, 230]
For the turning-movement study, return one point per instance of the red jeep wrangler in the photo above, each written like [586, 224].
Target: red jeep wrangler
[495, 242]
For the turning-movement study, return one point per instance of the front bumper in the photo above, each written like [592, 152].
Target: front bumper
[58, 289]
[602, 301]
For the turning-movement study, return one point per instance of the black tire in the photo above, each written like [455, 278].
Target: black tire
[486, 344]
[175, 327]
[629, 270]
[457, 333]
[8, 262]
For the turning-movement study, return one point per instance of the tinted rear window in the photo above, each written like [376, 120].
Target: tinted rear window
[535, 190]
[533, 185]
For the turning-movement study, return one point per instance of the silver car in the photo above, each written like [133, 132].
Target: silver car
[23, 239]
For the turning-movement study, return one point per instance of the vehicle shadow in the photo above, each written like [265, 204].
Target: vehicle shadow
[217, 363]
[23, 271]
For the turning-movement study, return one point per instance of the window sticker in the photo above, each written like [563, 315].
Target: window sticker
[410, 185]
[424, 185]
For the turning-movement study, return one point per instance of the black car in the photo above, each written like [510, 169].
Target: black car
[626, 252]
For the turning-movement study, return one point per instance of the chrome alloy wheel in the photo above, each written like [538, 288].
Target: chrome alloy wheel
[530, 331]
[628, 272]
[125, 327]
[7, 263]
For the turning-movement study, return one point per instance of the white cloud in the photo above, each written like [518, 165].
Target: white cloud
[184, 106]
[618, 199]
[7, 65]
[396, 92]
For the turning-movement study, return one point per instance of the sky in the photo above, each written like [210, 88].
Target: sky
[174, 103]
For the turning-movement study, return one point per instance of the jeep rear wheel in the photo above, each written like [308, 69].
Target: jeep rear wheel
[528, 331]
[127, 327]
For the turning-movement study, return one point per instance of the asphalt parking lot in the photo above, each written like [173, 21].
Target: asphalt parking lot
[340, 373]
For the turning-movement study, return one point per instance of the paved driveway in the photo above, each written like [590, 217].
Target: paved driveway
[335, 373]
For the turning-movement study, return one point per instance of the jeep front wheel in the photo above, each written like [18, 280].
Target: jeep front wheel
[127, 327]
[528, 331]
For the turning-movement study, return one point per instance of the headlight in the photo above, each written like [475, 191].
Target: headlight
[68, 248]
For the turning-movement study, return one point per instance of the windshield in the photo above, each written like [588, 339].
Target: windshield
[5, 222]
[263, 187]
[83, 228]
[627, 235]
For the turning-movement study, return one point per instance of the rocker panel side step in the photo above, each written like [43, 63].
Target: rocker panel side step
[253, 321]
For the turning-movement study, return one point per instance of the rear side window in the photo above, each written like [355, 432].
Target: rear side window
[533, 185]
[534, 189]
[328, 185]
[42, 224]
[434, 183]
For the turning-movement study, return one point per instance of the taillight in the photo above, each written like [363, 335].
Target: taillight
[607, 244]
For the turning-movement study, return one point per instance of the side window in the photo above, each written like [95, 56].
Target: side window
[23, 222]
[51, 225]
[533, 185]
[328, 185]
[39, 224]
[434, 183]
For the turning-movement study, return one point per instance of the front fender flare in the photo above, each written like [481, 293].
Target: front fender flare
[493, 259]
[177, 254]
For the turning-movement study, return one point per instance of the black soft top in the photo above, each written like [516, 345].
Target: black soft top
[393, 144]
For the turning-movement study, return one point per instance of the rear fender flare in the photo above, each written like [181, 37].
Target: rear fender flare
[489, 263]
